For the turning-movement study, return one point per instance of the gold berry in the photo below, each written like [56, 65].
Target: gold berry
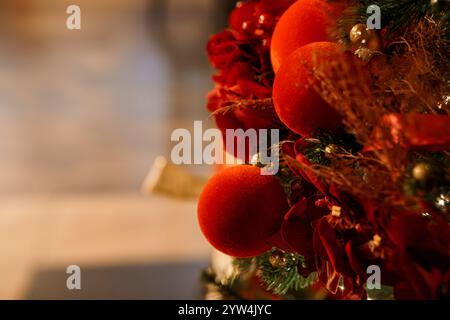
[421, 171]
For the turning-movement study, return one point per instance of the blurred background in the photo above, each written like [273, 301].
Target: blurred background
[83, 115]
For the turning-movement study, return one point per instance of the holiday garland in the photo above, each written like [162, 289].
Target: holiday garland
[364, 175]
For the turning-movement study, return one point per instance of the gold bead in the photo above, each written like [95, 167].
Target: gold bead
[331, 150]
[336, 211]
[277, 259]
[376, 240]
[421, 171]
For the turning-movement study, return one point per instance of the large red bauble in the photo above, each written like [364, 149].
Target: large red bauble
[296, 102]
[240, 209]
[304, 22]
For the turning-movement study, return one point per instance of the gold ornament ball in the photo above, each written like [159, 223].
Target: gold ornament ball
[421, 171]
[362, 36]
[358, 33]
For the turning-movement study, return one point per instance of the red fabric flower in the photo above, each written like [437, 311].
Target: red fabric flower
[242, 56]
[297, 229]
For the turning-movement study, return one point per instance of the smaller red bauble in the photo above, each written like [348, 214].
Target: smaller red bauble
[296, 102]
[306, 21]
[240, 209]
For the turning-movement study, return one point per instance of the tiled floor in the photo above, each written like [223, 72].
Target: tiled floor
[82, 116]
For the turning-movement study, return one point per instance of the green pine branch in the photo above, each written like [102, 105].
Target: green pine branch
[281, 280]
[316, 151]
[396, 14]
[278, 279]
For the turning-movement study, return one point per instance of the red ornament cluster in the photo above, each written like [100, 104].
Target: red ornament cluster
[297, 104]
[305, 22]
[243, 213]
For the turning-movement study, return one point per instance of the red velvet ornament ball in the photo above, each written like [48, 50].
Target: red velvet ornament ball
[306, 21]
[240, 209]
[296, 102]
